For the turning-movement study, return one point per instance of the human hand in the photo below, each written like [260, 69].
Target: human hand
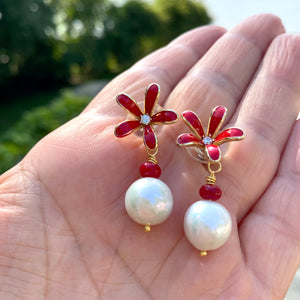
[64, 232]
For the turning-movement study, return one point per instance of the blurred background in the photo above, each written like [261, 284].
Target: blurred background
[55, 55]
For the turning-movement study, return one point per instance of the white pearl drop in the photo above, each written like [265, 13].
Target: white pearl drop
[207, 225]
[148, 201]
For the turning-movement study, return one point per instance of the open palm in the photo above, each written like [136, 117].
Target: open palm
[64, 231]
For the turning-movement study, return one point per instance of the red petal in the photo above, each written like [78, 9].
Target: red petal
[213, 152]
[151, 97]
[149, 138]
[165, 116]
[193, 122]
[129, 104]
[188, 139]
[216, 120]
[126, 128]
[230, 134]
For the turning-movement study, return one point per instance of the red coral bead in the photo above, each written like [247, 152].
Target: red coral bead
[210, 192]
[150, 169]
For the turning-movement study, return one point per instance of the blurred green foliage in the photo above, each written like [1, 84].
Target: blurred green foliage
[47, 43]
[35, 124]
[11, 112]
[26, 51]
[178, 16]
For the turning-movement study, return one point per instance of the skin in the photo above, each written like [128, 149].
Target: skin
[64, 231]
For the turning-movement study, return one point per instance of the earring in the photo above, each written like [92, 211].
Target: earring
[207, 224]
[148, 201]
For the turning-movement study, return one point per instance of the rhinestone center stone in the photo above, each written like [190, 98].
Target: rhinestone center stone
[207, 140]
[145, 119]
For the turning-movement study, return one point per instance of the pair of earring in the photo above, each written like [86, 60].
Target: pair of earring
[149, 201]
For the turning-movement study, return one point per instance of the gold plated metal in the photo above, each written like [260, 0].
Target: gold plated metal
[117, 99]
[133, 130]
[191, 144]
[156, 100]
[220, 123]
[213, 171]
[156, 144]
[203, 145]
[152, 158]
[147, 228]
[191, 126]
[142, 119]
[166, 122]
[207, 155]
[211, 179]
[230, 139]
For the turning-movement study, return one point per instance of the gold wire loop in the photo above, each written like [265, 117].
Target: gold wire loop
[211, 179]
[151, 156]
[152, 153]
[217, 170]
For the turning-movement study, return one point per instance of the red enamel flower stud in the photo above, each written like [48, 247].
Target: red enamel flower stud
[210, 140]
[148, 201]
[145, 119]
[207, 224]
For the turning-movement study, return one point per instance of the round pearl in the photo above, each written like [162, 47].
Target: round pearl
[148, 201]
[207, 225]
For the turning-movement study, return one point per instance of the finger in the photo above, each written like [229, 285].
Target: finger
[166, 66]
[270, 234]
[267, 114]
[94, 131]
[223, 74]
[237, 52]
